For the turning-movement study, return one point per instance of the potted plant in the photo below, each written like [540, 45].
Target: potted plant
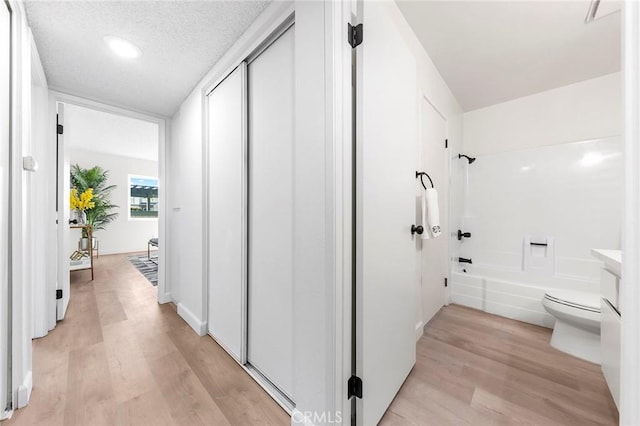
[81, 203]
[101, 212]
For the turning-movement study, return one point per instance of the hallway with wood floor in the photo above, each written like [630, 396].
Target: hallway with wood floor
[119, 358]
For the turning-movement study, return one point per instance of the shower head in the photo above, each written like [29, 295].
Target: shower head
[470, 159]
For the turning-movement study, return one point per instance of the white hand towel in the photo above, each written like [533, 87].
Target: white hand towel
[430, 214]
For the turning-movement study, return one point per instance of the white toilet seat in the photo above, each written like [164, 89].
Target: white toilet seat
[575, 299]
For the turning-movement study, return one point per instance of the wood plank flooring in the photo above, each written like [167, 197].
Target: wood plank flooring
[119, 358]
[480, 369]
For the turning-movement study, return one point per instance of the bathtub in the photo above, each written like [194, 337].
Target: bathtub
[511, 293]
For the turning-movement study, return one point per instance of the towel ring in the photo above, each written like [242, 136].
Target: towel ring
[421, 175]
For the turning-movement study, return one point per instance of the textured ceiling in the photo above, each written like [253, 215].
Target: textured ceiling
[108, 133]
[494, 51]
[180, 42]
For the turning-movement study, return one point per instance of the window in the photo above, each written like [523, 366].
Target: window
[143, 197]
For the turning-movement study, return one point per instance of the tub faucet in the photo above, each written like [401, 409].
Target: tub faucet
[463, 234]
[464, 260]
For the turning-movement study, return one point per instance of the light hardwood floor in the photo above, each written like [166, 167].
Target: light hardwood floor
[119, 358]
[480, 369]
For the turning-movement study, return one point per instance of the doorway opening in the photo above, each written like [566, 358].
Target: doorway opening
[109, 196]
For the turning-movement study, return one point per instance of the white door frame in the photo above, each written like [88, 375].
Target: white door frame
[444, 188]
[55, 97]
[6, 303]
[44, 318]
[630, 300]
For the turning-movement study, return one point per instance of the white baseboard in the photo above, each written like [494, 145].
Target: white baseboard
[419, 330]
[24, 391]
[164, 298]
[200, 327]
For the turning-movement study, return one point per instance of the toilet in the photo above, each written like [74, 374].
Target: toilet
[577, 329]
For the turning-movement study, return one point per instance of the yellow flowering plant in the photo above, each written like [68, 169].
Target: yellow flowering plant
[83, 201]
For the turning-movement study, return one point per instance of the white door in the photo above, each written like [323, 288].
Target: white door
[270, 284]
[387, 123]
[435, 252]
[64, 180]
[5, 141]
[227, 212]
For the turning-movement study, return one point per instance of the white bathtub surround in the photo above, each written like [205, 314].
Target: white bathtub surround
[538, 255]
[430, 214]
[566, 196]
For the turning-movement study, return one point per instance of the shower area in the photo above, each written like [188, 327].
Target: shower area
[524, 221]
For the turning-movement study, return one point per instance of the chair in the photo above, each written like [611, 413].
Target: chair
[152, 242]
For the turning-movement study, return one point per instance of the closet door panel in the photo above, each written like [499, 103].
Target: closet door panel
[271, 204]
[227, 212]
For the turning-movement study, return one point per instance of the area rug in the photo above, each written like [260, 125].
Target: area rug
[146, 267]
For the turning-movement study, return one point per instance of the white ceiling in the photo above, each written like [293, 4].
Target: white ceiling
[108, 133]
[494, 51]
[180, 42]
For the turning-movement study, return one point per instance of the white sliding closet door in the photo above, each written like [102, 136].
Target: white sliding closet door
[271, 90]
[227, 212]
[5, 140]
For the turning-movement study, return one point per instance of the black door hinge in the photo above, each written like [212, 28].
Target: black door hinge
[446, 283]
[446, 143]
[58, 294]
[355, 387]
[60, 129]
[355, 35]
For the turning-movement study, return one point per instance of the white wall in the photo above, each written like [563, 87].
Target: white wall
[44, 219]
[23, 206]
[186, 221]
[123, 235]
[589, 109]
[431, 86]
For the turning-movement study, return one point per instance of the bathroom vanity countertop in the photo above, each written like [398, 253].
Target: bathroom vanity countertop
[612, 259]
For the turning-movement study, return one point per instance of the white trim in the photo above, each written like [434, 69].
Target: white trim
[269, 388]
[164, 130]
[24, 391]
[419, 330]
[268, 22]
[106, 106]
[630, 297]
[42, 239]
[339, 99]
[200, 327]
[165, 298]
[68, 98]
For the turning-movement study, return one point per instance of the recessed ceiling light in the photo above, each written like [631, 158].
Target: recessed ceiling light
[122, 47]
